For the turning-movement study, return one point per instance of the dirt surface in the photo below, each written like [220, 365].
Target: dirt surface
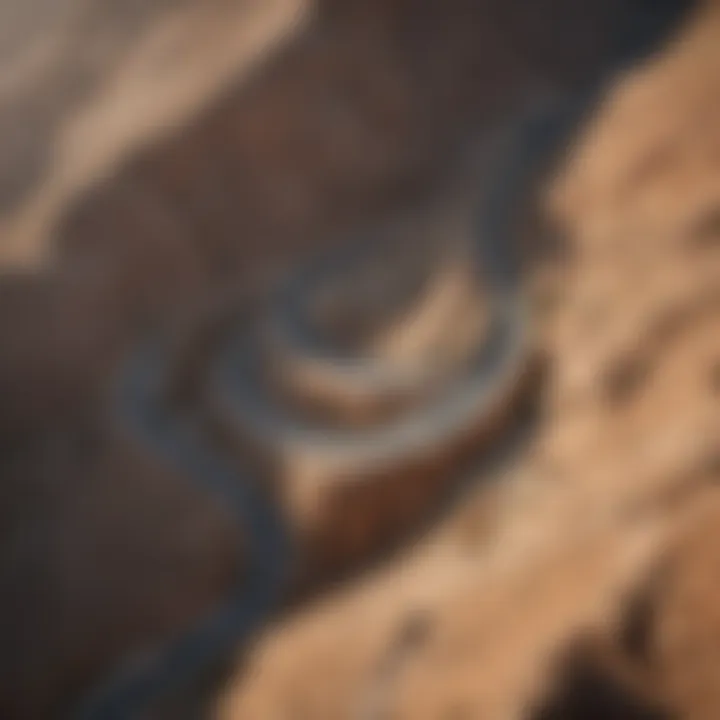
[105, 552]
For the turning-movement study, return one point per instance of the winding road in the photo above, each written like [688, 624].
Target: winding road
[469, 401]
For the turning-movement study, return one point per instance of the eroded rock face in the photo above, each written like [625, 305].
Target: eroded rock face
[597, 682]
[660, 664]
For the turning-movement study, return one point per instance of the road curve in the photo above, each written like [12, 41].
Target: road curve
[489, 381]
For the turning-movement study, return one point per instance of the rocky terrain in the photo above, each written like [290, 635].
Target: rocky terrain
[582, 586]
[148, 174]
